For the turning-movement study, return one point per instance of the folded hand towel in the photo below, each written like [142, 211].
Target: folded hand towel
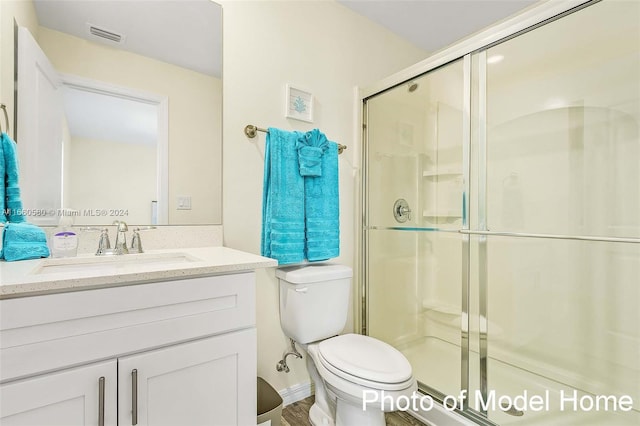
[322, 209]
[311, 147]
[22, 241]
[283, 236]
[3, 217]
[12, 192]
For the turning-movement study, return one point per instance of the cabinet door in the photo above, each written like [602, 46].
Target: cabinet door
[210, 381]
[71, 397]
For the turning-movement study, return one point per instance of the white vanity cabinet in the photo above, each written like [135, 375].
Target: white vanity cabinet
[198, 383]
[179, 352]
[77, 396]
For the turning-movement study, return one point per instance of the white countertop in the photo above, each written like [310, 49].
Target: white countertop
[26, 278]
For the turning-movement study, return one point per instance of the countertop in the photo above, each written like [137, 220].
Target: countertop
[29, 278]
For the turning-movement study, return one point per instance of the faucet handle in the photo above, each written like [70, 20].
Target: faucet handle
[103, 244]
[136, 242]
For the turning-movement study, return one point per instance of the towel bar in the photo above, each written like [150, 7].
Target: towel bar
[6, 119]
[251, 131]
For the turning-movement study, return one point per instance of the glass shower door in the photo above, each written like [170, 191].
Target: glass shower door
[562, 219]
[501, 237]
[414, 203]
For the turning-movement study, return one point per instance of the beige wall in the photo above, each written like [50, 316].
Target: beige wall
[92, 183]
[25, 15]
[329, 50]
[194, 115]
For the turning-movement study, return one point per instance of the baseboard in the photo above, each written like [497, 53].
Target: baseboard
[296, 393]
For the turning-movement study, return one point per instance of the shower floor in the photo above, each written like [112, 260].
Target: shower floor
[436, 363]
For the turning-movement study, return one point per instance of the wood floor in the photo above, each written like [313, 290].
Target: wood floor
[297, 414]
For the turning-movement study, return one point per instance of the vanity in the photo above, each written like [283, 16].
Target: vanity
[166, 337]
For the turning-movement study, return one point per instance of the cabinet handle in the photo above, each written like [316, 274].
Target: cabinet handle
[101, 401]
[134, 397]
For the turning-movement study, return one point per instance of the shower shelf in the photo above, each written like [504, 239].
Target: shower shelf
[442, 313]
[454, 214]
[443, 173]
[441, 307]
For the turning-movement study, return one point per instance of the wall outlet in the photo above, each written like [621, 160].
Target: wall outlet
[184, 202]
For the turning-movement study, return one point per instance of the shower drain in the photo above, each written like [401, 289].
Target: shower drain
[511, 410]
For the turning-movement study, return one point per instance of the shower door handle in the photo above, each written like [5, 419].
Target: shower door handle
[401, 210]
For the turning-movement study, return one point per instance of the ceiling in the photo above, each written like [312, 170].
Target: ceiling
[435, 24]
[184, 33]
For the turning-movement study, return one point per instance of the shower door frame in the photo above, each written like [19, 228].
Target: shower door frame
[474, 47]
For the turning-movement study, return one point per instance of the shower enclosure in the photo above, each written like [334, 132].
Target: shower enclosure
[501, 219]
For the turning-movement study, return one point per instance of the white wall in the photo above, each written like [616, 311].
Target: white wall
[329, 50]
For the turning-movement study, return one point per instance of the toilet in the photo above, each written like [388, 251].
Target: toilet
[345, 369]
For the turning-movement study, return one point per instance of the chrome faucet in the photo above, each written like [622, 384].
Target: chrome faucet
[120, 246]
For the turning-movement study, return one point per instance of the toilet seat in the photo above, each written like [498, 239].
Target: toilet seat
[366, 361]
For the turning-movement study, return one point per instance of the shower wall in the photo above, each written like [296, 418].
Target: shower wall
[552, 242]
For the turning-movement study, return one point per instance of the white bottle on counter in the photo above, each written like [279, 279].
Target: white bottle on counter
[64, 240]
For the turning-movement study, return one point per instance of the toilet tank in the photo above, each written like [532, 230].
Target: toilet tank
[314, 300]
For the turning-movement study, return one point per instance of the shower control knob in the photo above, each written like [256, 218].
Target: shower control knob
[401, 210]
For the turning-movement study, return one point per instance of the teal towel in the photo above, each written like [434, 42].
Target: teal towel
[22, 241]
[322, 209]
[3, 179]
[311, 148]
[13, 202]
[283, 232]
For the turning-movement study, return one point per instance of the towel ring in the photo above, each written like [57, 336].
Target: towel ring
[6, 118]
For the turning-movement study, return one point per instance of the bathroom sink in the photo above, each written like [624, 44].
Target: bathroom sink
[111, 264]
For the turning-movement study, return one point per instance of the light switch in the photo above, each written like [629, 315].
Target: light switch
[184, 202]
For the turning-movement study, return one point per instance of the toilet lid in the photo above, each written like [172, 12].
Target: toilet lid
[366, 358]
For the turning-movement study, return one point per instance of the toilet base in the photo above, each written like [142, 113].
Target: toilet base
[351, 415]
[318, 417]
[346, 415]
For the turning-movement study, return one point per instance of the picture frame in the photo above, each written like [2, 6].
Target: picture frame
[299, 104]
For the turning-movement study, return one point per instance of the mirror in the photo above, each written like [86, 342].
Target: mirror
[140, 87]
